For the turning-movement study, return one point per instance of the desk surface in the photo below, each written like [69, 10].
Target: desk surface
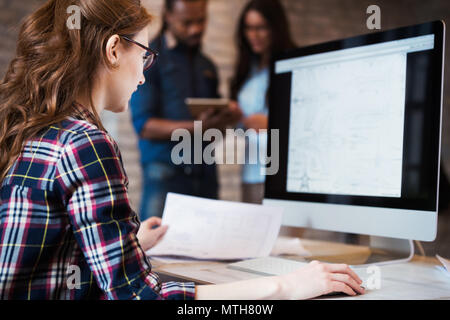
[417, 279]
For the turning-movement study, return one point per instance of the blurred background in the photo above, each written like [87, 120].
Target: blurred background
[311, 21]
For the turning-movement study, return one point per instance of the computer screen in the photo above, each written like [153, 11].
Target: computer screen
[360, 126]
[347, 114]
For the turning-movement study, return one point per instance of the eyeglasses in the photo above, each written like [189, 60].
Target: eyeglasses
[150, 54]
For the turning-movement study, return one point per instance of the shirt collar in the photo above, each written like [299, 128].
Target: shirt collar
[171, 41]
[83, 113]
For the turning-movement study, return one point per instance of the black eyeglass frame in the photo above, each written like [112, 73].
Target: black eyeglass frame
[149, 54]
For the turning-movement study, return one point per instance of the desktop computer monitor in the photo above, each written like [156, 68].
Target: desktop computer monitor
[359, 125]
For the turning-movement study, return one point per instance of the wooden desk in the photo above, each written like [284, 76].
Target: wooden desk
[418, 279]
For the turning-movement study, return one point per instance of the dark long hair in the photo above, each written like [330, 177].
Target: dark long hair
[273, 13]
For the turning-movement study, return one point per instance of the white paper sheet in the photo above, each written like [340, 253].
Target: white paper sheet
[289, 246]
[213, 229]
[173, 260]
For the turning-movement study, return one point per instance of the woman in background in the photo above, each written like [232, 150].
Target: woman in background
[63, 198]
[263, 32]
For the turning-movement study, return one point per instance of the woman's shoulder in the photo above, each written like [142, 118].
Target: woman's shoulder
[80, 132]
[72, 141]
[76, 136]
[76, 125]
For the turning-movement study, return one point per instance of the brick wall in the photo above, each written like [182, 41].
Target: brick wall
[11, 13]
[312, 21]
[324, 20]
[218, 45]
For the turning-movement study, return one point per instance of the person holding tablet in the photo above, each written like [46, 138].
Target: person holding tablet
[63, 198]
[158, 107]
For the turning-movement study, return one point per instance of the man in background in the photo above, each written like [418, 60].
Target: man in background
[158, 107]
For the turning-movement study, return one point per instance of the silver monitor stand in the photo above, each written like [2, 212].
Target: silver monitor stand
[389, 250]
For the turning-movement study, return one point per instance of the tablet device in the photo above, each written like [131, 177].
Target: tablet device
[199, 105]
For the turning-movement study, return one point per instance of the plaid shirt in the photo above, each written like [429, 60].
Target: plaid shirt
[65, 215]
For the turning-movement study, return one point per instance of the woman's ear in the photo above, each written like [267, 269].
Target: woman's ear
[112, 50]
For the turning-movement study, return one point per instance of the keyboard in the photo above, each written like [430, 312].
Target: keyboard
[267, 266]
[273, 266]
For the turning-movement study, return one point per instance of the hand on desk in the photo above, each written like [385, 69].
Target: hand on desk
[313, 280]
[149, 237]
[318, 279]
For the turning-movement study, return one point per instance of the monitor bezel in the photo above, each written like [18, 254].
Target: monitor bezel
[271, 192]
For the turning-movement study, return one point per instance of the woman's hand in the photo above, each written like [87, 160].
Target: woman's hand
[317, 279]
[236, 111]
[149, 237]
[257, 121]
[313, 280]
[221, 119]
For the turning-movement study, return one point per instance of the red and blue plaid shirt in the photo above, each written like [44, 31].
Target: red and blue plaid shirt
[67, 229]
